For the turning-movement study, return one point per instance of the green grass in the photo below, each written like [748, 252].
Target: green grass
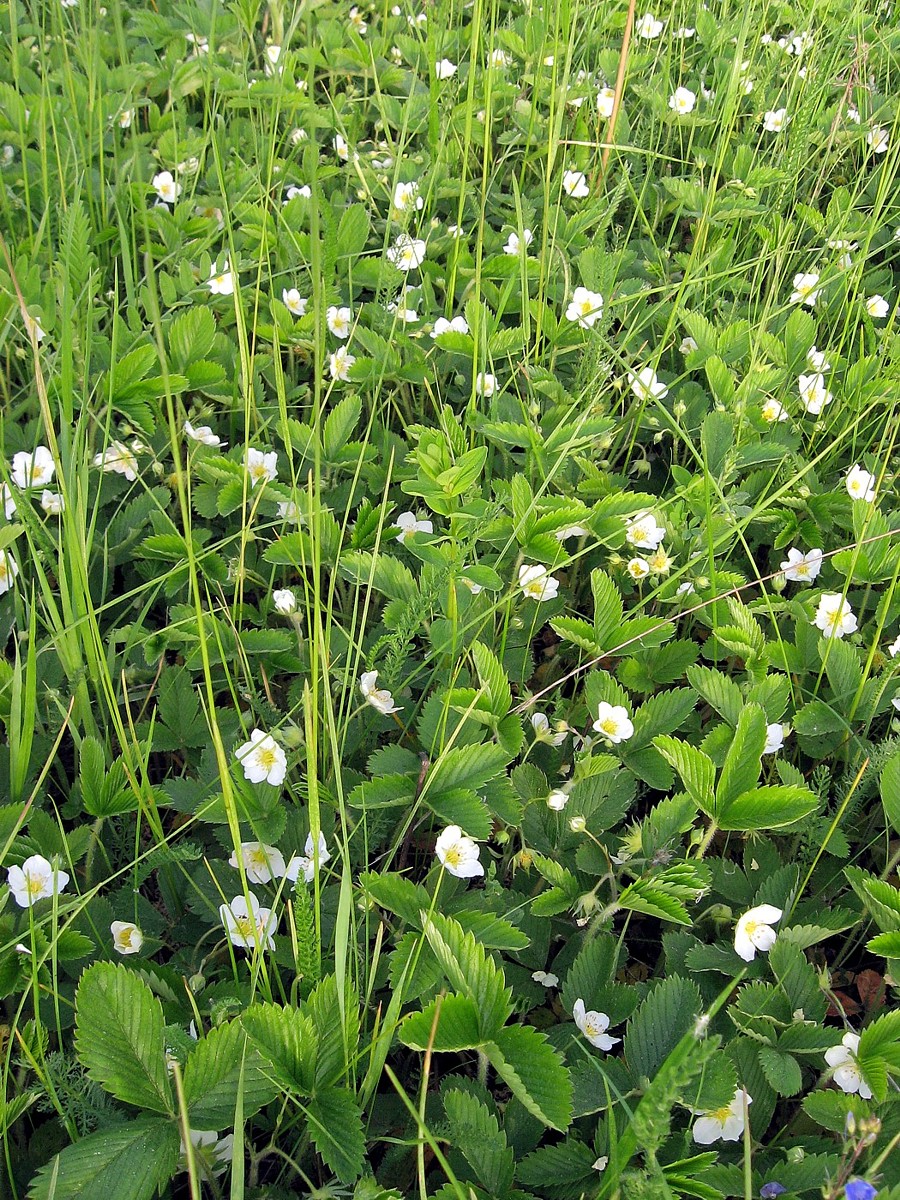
[142, 645]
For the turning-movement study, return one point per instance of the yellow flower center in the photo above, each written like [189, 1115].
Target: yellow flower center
[35, 885]
[453, 857]
[244, 926]
[721, 1114]
[609, 726]
[265, 757]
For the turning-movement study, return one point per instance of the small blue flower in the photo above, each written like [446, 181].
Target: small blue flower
[859, 1189]
[770, 1191]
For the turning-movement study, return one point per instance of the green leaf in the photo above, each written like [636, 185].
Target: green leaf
[336, 1127]
[718, 690]
[885, 944]
[128, 1162]
[890, 791]
[879, 1052]
[466, 767]
[666, 1015]
[594, 967]
[477, 1133]
[740, 771]
[471, 971]
[382, 572]
[565, 1169]
[698, 774]
[661, 714]
[579, 633]
[535, 1073]
[339, 425]
[397, 894]
[768, 808]
[286, 1041]
[781, 1070]
[119, 1036]
[493, 679]
[644, 897]
[220, 1064]
[337, 1029]
[607, 608]
[457, 1027]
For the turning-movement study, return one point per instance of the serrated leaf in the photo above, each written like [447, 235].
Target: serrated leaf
[382, 572]
[493, 679]
[768, 808]
[740, 771]
[534, 1071]
[698, 774]
[471, 971]
[781, 1070]
[128, 1162]
[666, 1015]
[890, 791]
[447, 1025]
[397, 894]
[335, 1125]
[718, 690]
[222, 1063]
[477, 1133]
[286, 1041]
[119, 1036]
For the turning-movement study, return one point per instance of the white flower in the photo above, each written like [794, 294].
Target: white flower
[575, 185]
[775, 120]
[262, 467]
[295, 192]
[860, 484]
[648, 27]
[262, 759]
[357, 22]
[585, 307]
[202, 434]
[638, 569]
[659, 562]
[773, 411]
[593, 1025]
[127, 938]
[642, 531]
[251, 926]
[288, 511]
[543, 733]
[806, 289]
[499, 59]
[9, 569]
[406, 315]
[817, 360]
[408, 523]
[33, 326]
[536, 583]
[774, 738]
[340, 362]
[125, 117]
[577, 824]
[262, 863]
[877, 306]
[558, 799]
[847, 1074]
[613, 722]
[445, 69]
[724, 1124]
[570, 531]
[36, 879]
[315, 854]
[285, 601]
[514, 243]
[339, 321]
[878, 139]
[33, 470]
[546, 978]
[834, 616]
[853, 115]
[406, 196]
[117, 457]
[474, 588]
[682, 100]
[601, 1163]
[457, 853]
[220, 283]
[293, 301]
[52, 503]
[605, 99]
[341, 149]
[813, 392]
[166, 187]
[214, 1153]
[894, 648]
[407, 253]
[687, 345]
[455, 325]
[646, 386]
[802, 568]
[379, 698]
[485, 384]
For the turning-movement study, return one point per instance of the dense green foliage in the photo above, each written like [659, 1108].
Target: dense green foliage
[448, 595]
